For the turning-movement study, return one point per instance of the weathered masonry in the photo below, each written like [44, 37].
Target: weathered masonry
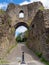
[35, 18]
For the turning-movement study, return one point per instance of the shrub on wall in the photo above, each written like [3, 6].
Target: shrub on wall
[41, 8]
[2, 11]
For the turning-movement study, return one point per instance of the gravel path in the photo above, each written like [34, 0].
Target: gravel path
[16, 54]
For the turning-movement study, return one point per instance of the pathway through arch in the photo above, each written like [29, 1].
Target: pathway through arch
[16, 54]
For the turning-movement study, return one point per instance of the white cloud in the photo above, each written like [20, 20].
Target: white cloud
[25, 2]
[45, 2]
[19, 30]
[3, 5]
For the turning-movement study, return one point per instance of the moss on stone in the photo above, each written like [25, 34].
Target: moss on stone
[3, 61]
[12, 30]
[41, 8]
[2, 11]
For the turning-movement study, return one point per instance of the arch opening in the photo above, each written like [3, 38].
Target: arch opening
[21, 24]
[21, 32]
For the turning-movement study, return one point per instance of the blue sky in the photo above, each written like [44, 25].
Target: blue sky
[14, 1]
[4, 3]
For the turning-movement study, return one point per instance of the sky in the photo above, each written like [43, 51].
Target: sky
[4, 4]
[19, 30]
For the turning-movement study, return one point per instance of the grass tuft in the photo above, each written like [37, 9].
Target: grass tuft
[3, 61]
[42, 59]
[8, 51]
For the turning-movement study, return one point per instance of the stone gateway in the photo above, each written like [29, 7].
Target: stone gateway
[35, 18]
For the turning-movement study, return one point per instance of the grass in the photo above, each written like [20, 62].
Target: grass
[9, 50]
[38, 54]
[3, 61]
[42, 59]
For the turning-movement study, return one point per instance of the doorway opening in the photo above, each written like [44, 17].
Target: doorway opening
[21, 14]
[21, 33]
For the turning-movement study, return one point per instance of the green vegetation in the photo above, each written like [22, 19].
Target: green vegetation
[21, 38]
[9, 20]
[12, 29]
[3, 61]
[2, 11]
[39, 54]
[41, 8]
[26, 34]
[42, 59]
[9, 50]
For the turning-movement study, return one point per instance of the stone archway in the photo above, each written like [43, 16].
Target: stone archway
[20, 24]
[13, 29]
[22, 32]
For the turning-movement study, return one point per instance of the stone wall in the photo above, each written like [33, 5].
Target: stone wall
[46, 20]
[37, 35]
[6, 35]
